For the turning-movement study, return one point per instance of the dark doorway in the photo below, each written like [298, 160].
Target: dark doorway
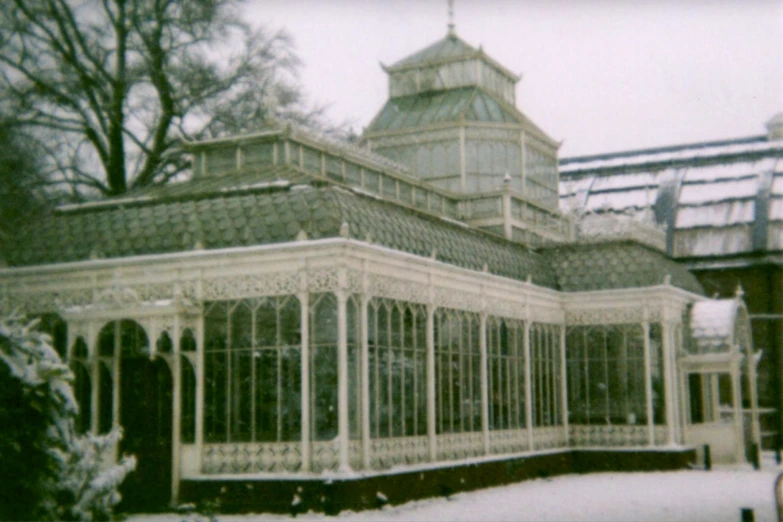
[145, 415]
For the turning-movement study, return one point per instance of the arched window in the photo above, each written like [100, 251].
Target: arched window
[187, 341]
[188, 402]
[57, 329]
[606, 374]
[397, 368]
[82, 388]
[164, 344]
[125, 338]
[457, 371]
[323, 366]
[506, 373]
[105, 399]
[79, 349]
[252, 372]
[545, 374]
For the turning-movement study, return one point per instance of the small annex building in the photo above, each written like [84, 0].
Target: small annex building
[307, 323]
[718, 207]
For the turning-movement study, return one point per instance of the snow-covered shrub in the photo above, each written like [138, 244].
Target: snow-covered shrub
[47, 470]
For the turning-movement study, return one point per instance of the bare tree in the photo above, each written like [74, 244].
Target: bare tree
[110, 86]
[23, 179]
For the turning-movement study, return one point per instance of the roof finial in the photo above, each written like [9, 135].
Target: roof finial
[451, 18]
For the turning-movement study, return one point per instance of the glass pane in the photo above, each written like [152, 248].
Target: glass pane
[164, 344]
[656, 371]
[371, 181]
[323, 329]
[353, 174]
[241, 393]
[106, 340]
[105, 399]
[266, 323]
[216, 327]
[265, 362]
[290, 321]
[187, 343]
[241, 326]
[291, 400]
[133, 339]
[79, 348]
[188, 422]
[324, 392]
[57, 329]
[323, 366]
[82, 391]
[215, 388]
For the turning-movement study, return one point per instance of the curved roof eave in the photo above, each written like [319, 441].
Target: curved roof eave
[258, 217]
[616, 265]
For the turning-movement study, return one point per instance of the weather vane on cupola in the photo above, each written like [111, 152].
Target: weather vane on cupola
[452, 32]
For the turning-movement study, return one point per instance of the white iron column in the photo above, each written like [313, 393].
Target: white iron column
[528, 387]
[200, 383]
[342, 377]
[648, 398]
[176, 409]
[738, 420]
[668, 351]
[564, 384]
[304, 304]
[684, 403]
[92, 351]
[115, 399]
[754, 406]
[676, 385]
[431, 384]
[365, 378]
[200, 335]
[484, 384]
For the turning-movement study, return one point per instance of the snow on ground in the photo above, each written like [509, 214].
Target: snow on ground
[694, 495]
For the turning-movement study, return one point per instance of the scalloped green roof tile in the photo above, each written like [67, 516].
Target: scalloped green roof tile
[614, 265]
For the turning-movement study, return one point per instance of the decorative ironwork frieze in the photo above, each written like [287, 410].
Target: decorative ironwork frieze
[508, 441]
[254, 285]
[272, 457]
[398, 451]
[504, 308]
[458, 299]
[458, 446]
[324, 456]
[397, 288]
[549, 437]
[609, 436]
[614, 315]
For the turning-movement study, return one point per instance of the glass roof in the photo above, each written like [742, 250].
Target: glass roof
[448, 48]
[418, 110]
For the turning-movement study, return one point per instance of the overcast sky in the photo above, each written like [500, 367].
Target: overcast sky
[600, 75]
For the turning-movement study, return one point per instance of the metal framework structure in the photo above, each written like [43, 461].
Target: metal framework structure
[314, 309]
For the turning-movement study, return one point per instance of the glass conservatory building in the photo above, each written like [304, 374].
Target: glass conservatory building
[329, 322]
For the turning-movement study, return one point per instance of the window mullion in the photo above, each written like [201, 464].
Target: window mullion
[279, 372]
[228, 354]
[389, 373]
[253, 385]
[402, 352]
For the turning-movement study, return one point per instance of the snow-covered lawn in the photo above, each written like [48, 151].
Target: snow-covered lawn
[714, 496]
